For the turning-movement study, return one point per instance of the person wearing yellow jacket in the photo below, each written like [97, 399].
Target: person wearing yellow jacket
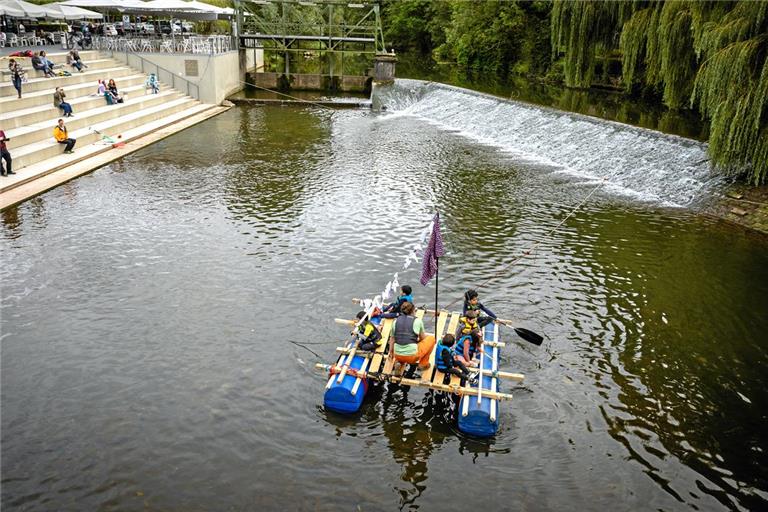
[60, 133]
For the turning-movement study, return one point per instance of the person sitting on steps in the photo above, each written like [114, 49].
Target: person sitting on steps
[408, 343]
[368, 336]
[39, 63]
[73, 59]
[103, 91]
[152, 84]
[112, 88]
[62, 137]
[58, 102]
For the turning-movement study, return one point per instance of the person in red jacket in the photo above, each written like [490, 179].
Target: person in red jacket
[5, 155]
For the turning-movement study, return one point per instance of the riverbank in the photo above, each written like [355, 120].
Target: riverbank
[743, 205]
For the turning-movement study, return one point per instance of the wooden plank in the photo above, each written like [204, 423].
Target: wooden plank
[386, 328]
[418, 383]
[438, 377]
[519, 377]
[441, 321]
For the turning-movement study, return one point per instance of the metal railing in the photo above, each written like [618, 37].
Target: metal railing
[205, 45]
[147, 66]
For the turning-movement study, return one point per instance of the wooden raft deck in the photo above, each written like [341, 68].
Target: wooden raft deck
[379, 367]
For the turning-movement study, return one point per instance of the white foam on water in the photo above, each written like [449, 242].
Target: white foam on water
[642, 164]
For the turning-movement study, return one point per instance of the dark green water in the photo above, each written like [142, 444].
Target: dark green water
[148, 310]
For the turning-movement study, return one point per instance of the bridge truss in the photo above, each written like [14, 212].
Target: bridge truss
[297, 29]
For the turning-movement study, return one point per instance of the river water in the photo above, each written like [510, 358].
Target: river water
[151, 310]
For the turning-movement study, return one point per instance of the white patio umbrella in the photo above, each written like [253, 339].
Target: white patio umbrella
[71, 12]
[172, 5]
[22, 9]
[202, 6]
[117, 5]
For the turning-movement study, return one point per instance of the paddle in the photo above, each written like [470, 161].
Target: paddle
[526, 334]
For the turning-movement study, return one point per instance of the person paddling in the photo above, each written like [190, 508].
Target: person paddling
[472, 303]
[408, 343]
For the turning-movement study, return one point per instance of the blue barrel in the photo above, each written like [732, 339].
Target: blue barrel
[339, 397]
[478, 420]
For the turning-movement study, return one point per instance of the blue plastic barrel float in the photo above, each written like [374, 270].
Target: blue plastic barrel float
[481, 419]
[339, 397]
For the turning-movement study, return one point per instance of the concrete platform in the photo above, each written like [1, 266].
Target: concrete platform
[36, 179]
[38, 160]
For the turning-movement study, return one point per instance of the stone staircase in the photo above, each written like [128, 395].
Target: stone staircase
[29, 121]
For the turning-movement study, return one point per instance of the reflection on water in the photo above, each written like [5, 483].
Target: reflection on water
[147, 311]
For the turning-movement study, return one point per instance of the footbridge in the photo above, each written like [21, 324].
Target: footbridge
[318, 44]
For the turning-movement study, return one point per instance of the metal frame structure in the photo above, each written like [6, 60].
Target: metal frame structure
[328, 27]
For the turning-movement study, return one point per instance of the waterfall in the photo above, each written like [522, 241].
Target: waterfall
[644, 164]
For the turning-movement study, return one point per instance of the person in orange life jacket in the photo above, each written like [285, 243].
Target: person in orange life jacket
[448, 362]
[471, 302]
[5, 155]
[468, 336]
[369, 337]
[393, 309]
[408, 343]
[62, 137]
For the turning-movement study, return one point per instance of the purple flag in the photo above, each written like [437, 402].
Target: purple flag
[433, 251]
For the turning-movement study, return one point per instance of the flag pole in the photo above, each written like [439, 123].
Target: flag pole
[437, 283]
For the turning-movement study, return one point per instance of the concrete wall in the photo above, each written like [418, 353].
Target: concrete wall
[308, 82]
[216, 76]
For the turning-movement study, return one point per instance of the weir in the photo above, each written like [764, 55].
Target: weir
[635, 162]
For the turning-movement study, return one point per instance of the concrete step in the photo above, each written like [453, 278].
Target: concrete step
[80, 105]
[42, 176]
[10, 104]
[37, 152]
[42, 130]
[39, 84]
[5, 73]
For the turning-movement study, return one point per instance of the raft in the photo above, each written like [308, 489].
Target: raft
[477, 410]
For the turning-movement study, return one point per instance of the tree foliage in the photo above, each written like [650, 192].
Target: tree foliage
[709, 55]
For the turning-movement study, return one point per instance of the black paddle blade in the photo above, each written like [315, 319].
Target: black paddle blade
[529, 336]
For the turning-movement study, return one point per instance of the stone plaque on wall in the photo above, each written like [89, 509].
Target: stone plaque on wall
[190, 67]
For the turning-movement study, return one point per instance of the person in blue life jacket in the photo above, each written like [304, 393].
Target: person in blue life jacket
[472, 303]
[368, 336]
[393, 309]
[447, 361]
[468, 343]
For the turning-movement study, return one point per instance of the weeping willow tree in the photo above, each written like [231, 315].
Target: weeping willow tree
[579, 29]
[708, 55]
[731, 89]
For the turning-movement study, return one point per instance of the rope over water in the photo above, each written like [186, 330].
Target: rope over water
[533, 248]
[287, 95]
